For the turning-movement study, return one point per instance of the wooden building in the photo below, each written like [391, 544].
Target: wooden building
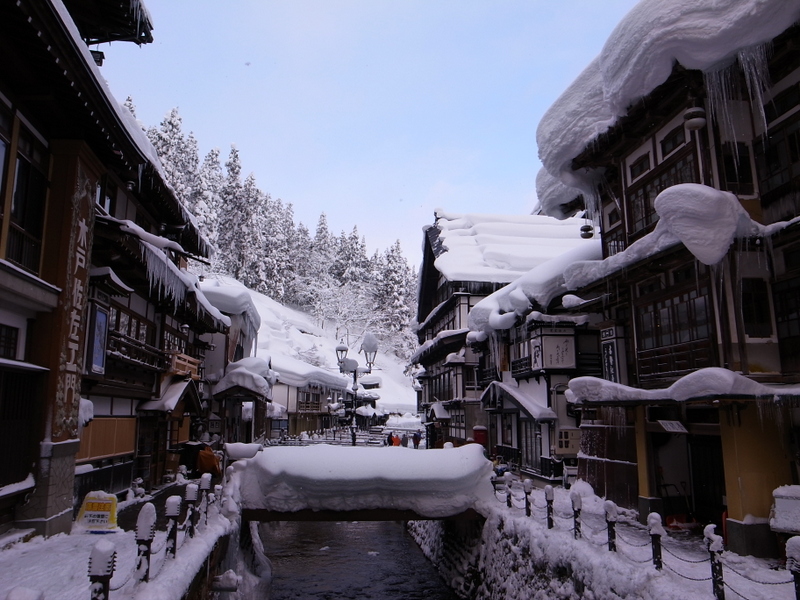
[94, 301]
[668, 308]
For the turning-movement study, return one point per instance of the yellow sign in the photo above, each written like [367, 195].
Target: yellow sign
[98, 512]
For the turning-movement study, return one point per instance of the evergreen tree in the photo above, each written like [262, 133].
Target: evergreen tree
[230, 214]
[206, 196]
[178, 155]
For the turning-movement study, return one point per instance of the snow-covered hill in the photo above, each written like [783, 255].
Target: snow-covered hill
[301, 351]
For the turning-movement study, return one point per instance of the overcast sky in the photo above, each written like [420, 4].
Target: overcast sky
[375, 112]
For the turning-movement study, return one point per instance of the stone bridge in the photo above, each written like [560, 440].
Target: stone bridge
[345, 483]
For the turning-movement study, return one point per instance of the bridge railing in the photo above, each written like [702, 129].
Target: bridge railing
[653, 546]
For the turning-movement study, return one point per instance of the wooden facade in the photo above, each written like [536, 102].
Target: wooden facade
[714, 459]
[91, 313]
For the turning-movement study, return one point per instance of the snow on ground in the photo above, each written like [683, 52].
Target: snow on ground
[519, 558]
[433, 483]
[58, 566]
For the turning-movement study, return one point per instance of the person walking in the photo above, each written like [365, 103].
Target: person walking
[404, 441]
[395, 439]
[416, 438]
[389, 439]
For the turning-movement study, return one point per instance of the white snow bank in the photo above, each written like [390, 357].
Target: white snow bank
[714, 381]
[405, 421]
[638, 56]
[434, 483]
[240, 450]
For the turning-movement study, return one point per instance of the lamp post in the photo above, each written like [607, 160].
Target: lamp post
[369, 346]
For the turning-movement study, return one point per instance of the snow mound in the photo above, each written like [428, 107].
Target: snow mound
[434, 483]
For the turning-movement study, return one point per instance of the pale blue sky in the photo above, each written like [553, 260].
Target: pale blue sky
[373, 111]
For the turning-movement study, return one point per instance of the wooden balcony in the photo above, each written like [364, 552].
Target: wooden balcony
[664, 365]
[521, 367]
[183, 364]
[133, 351]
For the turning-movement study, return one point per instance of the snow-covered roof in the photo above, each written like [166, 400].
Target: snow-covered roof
[230, 298]
[439, 411]
[638, 56]
[703, 383]
[500, 248]
[537, 287]
[434, 483]
[704, 219]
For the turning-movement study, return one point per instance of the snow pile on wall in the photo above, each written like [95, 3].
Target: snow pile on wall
[704, 219]
[703, 383]
[538, 287]
[500, 248]
[434, 483]
[638, 56]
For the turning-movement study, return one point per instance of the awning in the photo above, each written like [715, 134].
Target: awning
[173, 392]
[525, 402]
[439, 411]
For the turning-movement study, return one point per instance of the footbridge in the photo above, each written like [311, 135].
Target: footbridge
[345, 483]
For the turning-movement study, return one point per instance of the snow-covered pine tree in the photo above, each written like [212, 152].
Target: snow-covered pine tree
[230, 215]
[393, 282]
[178, 155]
[206, 196]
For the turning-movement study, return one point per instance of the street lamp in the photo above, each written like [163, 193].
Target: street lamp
[369, 346]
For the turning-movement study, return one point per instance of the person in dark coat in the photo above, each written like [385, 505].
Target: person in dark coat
[389, 439]
[416, 438]
[404, 441]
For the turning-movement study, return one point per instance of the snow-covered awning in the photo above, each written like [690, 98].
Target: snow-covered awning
[523, 401]
[173, 393]
[443, 340]
[250, 376]
[438, 411]
[713, 383]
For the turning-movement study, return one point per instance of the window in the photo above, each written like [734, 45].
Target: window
[782, 103]
[787, 318]
[641, 199]
[615, 242]
[308, 401]
[738, 173]
[779, 157]
[672, 141]
[676, 320]
[8, 342]
[756, 312]
[640, 166]
[28, 203]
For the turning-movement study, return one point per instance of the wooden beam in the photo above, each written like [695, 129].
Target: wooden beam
[372, 514]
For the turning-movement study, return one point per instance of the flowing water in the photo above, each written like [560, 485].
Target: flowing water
[353, 561]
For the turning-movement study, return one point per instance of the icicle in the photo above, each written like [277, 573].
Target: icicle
[754, 62]
[720, 83]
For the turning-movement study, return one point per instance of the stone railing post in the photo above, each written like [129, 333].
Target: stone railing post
[656, 531]
[102, 561]
[548, 497]
[611, 524]
[577, 504]
[145, 531]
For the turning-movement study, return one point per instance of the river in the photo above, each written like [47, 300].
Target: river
[352, 561]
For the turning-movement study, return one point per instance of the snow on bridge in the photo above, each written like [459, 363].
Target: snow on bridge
[346, 483]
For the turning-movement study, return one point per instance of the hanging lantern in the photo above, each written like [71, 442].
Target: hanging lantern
[587, 231]
[694, 118]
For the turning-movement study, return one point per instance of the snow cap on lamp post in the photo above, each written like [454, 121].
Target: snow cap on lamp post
[341, 351]
[369, 346]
